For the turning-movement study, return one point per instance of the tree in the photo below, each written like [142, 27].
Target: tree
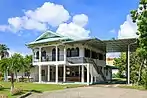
[139, 17]
[121, 64]
[28, 65]
[3, 51]
[18, 63]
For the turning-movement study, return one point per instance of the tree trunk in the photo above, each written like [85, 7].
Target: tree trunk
[16, 76]
[12, 81]
[28, 77]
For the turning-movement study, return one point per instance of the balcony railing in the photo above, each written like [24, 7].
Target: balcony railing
[50, 58]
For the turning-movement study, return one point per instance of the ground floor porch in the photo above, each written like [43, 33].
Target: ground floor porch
[59, 74]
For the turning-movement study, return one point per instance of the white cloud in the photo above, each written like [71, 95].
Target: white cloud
[75, 29]
[113, 55]
[128, 29]
[49, 14]
[80, 19]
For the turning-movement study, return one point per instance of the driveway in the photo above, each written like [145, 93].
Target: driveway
[93, 92]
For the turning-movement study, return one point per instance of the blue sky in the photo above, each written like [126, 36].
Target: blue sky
[105, 19]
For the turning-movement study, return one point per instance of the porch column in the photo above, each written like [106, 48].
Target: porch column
[91, 73]
[64, 73]
[56, 73]
[128, 64]
[56, 64]
[48, 78]
[39, 73]
[65, 54]
[39, 54]
[82, 79]
[88, 74]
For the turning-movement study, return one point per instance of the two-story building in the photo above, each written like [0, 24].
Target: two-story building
[60, 59]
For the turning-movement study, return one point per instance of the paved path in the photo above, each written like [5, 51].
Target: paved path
[93, 92]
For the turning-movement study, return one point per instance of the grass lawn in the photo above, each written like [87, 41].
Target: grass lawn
[32, 86]
[132, 87]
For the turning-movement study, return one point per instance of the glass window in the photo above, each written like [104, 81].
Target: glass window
[77, 51]
[68, 52]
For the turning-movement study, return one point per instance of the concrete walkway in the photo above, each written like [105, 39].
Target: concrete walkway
[93, 92]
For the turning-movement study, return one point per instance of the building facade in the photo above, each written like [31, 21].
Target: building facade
[59, 59]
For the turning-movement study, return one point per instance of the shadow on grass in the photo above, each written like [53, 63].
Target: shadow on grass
[114, 81]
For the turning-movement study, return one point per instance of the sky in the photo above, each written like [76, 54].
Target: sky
[22, 21]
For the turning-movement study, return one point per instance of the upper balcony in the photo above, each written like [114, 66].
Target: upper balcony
[72, 55]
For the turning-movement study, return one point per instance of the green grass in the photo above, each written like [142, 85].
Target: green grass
[132, 87]
[39, 88]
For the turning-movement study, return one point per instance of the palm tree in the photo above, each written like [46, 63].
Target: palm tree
[3, 51]
[28, 65]
[6, 64]
[18, 64]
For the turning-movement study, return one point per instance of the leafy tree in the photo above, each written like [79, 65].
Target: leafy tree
[121, 64]
[139, 16]
[3, 50]
[18, 64]
[28, 65]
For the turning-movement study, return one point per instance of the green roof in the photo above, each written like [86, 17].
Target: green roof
[50, 36]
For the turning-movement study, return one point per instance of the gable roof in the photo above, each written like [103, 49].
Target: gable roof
[49, 36]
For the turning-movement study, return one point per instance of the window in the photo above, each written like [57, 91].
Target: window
[77, 51]
[44, 54]
[68, 52]
[37, 55]
[54, 54]
[101, 56]
[73, 52]
[87, 52]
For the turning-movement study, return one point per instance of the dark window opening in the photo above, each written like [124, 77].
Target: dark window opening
[87, 52]
[37, 55]
[68, 52]
[44, 54]
[101, 56]
[54, 54]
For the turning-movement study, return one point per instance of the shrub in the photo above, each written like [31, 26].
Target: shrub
[1, 87]
[3, 96]
[16, 91]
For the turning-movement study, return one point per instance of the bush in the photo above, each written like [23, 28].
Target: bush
[1, 87]
[16, 91]
[3, 96]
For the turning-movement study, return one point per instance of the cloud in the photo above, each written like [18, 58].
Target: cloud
[38, 19]
[49, 15]
[80, 19]
[75, 28]
[128, 29]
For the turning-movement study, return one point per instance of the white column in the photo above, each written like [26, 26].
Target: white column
[88, 74]
[39, 54]
[39, 73]
[65, 54]
[82, 79]
[56, 54]
[128, 63]
[56, 73]
[91, 74]
[64, 73]
[48, 78]
[56, 64]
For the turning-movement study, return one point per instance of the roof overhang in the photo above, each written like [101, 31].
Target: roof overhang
[121, 45]
[117, 45]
